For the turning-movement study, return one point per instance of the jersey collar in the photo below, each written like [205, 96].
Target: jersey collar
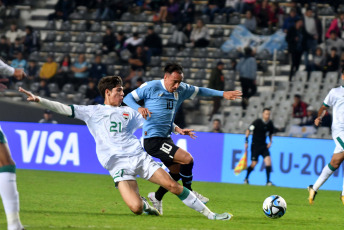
[162, 83]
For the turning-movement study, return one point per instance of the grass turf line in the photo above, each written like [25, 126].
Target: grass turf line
[58, 200]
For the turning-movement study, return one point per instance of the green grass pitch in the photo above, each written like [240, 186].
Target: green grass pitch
[57, 200]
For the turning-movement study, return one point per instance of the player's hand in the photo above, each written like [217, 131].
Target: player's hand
[30, 96]
[317, 121]
[269, 145]
[189, 132]
[144, 112]
[19, 74]
[232, 95]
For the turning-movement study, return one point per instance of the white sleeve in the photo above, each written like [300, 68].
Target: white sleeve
[82, 112]
[56, 106]
[329, 99]
[139, 120]
[6, 69]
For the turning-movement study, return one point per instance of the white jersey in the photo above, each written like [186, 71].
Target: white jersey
[5, 69]
[335, 98]
[112, 129]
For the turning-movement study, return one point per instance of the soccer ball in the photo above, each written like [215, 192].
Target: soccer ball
[274, 206]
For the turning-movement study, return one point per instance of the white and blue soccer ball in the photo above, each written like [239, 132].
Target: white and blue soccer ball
[274, 206]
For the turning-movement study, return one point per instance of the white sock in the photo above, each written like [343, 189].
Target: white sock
[325, 174]
[190, 200]
[10, 199]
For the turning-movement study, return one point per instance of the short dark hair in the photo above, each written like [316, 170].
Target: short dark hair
[216, 119]
[298, 96]
[173, 67]
[266, 109]
[109, 83]
[334, 48]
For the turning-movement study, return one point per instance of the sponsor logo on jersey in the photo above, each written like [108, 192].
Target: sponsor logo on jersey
[126, 116]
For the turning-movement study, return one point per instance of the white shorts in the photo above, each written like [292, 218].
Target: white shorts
[127, 168]
[339, 140]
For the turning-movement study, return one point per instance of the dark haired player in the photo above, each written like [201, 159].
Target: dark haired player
[162, 99]
[260, 128]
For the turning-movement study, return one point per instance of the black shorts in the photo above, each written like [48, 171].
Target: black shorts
[257, 150]
[162, 148]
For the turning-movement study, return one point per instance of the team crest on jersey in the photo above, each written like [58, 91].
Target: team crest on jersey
[125, 116]
[176, 95]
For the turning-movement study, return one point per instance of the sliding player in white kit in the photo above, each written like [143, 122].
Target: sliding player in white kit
[334, 98]
[8, 179]
[120, 152]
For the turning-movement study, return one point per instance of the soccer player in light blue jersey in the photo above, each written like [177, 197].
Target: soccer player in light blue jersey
[162, 99]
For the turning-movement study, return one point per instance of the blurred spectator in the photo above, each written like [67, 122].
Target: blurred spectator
[311, 34]
[4, 48]
[43, 88]
[250, 22]
[119, 42]
[127, 87]
[91, 91]
[275, 15]
[49, 69]
[212, 7]
[187, 12]
[298, 9]
[299, 107]
[309, 119]
[31, 40]
[98, 69]
[80, 69]
[327, 120]
[63, 8]
[47, 118]
[247, 69]
[152, 44]
[337, 25]
[2, 10]
[290, 21]
[262, 12]
[245, 5]
[19, 62]
[228, 7]
[318, 62]
[104, 10]
[342, 61]
[217, 81]
[216, 126]
[200, 36]
[139, 82]
[296, 43]
[132, 42]
[64, 72]
[16, 47]
[138, 62]
[32, 71]
[187, 30]
[178, 38]
[334, 41]
[332, 61]
[109, 40]
[169, 11]
[14, 33]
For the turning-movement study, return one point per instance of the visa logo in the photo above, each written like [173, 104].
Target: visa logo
[58, 153]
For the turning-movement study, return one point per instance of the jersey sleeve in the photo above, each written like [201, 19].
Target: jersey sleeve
[5, 69]
[142, 92]
[329, 99]
[190, 91]
[82, 112]
[253, 125]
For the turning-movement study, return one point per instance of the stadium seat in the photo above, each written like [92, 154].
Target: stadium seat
[205, 19]
[111, 70]
[316, 77]
[323, 132]
[68, 88]
[34, 87]
[171, 51]
[97, 38]
[54, 89]
[78, 97]
[331, 78]
[233, 54]
[81, 38]
[127, 17]
[301, 76]
[234, 19]
[51, 25]
[142, 28]
[171, 29]
[96, 27]
[156, 72]
[142, 17]
[264, 55]
[66, 26]
[51, 36]
[66, 48]
[156, 61]
[219, 19]
[82, 89]
[110, 60]
[81, 26]
[200, 63]
[66, 37]
[201, 52]
[157, 29]
[282, 57]
[48, 47]
[126, 28]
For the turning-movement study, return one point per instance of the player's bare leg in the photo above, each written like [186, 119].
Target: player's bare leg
[162, 178]
[267, 162]
[336, 160]
[8, 186]
[130, 193]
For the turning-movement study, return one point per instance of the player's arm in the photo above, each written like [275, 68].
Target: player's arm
[189, 132]
[131, 101]
[321, 113]
[270, 137]
[52, 105]
[229, 95]
[7, 70]
[247, 134]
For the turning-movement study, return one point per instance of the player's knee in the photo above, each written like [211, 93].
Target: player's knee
[136, 208]
[173, 186]
[188, 159]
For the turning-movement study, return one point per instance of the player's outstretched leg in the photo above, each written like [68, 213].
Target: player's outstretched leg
[162, 178]
[8, 186]
[130, 193]
[325, 174]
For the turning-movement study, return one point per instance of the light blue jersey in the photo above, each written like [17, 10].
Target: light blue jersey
[162, 104]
